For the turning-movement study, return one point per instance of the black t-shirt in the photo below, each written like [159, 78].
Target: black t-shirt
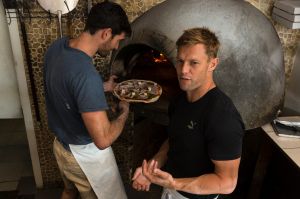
[210, 128]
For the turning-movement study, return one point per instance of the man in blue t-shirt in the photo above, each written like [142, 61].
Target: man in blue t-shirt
[201, 156]
[76, 104]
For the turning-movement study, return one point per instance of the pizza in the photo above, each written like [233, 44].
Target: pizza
[137, 90]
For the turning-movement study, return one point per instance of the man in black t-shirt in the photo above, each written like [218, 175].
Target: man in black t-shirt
[201, 157]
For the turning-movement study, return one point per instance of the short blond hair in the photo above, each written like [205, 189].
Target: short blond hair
[203, 36]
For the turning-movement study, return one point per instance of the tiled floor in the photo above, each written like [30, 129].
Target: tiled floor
[14, 154]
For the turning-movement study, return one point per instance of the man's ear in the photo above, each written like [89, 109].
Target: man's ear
[213, 63]
[106, 34]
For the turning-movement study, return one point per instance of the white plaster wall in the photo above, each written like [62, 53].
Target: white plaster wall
[10, 106]
[24, 97]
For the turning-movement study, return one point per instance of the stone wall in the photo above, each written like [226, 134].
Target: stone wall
[288, 37]
[42, 31]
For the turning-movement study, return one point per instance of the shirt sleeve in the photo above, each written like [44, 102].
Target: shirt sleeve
[225, 136]
[89, 92]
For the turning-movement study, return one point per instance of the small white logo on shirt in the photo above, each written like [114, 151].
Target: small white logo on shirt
[191, 125]
[68, 106]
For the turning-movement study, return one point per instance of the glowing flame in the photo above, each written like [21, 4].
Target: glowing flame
[160, 59]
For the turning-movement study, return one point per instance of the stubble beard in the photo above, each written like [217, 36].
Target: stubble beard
[106, 50]
[185, 86]
[104, 53]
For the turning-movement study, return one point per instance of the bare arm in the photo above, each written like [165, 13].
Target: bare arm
[162, 155]
[223, 180]
[102, 131]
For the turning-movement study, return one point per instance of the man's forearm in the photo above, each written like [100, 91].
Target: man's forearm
[102, 131]
[162, 155]
[116, 127]
[223, 180]
[205, 184]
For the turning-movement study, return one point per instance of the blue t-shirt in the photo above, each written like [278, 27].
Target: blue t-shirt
[72, 86]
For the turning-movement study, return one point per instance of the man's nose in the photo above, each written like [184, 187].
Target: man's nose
[185, 68]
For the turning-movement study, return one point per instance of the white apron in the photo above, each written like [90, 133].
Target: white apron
[101, 170]
[173, 194]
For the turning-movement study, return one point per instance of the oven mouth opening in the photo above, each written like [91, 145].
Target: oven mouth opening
[140, 61]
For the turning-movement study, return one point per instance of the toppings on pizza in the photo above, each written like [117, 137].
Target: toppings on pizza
[138, 91]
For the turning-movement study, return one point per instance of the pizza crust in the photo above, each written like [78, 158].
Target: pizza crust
[130, 91]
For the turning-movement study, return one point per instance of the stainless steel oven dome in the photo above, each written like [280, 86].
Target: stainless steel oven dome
[251, 69]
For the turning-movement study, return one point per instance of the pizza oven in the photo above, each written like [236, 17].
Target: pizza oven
[251, 69]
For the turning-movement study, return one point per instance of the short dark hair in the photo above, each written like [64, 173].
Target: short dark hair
[203, 36]
[108, 15]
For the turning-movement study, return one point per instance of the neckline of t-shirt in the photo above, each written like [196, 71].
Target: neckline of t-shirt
[208, 93]
[67, 46]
